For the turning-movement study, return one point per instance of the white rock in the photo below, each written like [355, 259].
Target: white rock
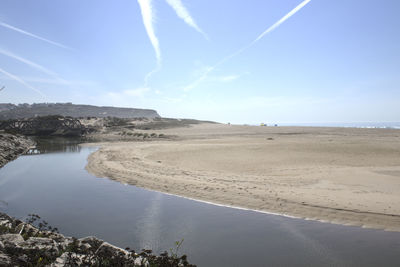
[11, 240]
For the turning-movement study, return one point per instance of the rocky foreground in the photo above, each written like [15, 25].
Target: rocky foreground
[11, 146]
[22, 244]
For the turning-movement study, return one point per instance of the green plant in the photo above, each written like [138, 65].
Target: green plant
[174, 251]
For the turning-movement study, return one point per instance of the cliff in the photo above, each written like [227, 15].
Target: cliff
[11, 111]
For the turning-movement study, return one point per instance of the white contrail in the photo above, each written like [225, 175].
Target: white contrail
[147, 11]
[282, 20]
[32, 64]
[27, 62]
[148, 75]
[16, 78]
[239, 51]
[148, 18]
[184, 14]
[8, 26]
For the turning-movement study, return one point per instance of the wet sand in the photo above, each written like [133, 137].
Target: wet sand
[340, 175]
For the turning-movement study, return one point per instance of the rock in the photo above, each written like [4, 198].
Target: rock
[63, 243]
[25, 228]
[40, 243]
[4, 259]
[6, 223]
[23, 258]
[88, 251]
[11, 146]
[108, 249]
[66, 260]
[140, 261]
[91, 241]
[11, 240]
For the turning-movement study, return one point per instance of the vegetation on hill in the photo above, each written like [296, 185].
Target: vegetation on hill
[10, 111]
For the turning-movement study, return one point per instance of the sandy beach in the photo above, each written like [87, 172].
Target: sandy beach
[339, 175]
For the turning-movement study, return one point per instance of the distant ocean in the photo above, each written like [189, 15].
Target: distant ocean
[387, 125]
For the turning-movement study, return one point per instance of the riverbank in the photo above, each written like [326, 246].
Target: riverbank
[340, 175]
[11, 146]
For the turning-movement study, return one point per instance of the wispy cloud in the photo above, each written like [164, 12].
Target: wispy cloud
[184, 14]
[128, 95]
[33, 65]
[60, 81]
[54, 81]
[16, 78]
[241, 50]
[207, 78]
[148, 75]
[199, 80]
[146, 8]
[173, 100]
[27, 62]
[8, 26]
[138, 92]
[148, 16]
[228, 78]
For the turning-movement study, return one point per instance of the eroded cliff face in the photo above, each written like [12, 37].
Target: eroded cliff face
[11, 146]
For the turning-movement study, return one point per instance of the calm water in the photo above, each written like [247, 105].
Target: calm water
[56, 186]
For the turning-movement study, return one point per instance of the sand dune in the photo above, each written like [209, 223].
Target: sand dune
[340, 175]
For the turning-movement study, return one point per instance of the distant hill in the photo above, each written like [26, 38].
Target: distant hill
[4, 107]
[11, 111]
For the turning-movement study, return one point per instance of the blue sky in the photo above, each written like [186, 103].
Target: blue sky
[332, 61]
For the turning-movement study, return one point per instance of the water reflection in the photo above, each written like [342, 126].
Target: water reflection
[149, 226]
[46, 145]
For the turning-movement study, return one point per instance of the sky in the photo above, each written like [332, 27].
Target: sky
[236, 61]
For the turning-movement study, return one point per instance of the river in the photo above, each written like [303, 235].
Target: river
[53, 183]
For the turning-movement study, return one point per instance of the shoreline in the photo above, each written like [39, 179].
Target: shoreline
[143, 165]
[268, 212]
